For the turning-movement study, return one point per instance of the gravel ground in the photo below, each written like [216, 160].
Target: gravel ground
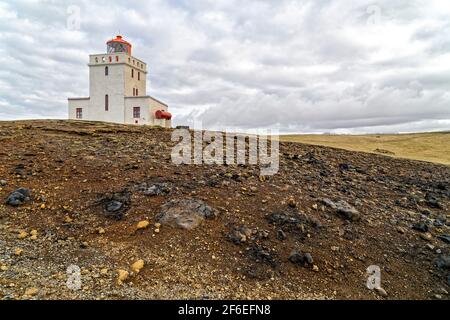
[102, 195]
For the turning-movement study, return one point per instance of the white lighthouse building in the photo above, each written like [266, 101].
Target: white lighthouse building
[118, 90]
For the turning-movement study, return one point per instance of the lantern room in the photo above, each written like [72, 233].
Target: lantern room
[118, 45]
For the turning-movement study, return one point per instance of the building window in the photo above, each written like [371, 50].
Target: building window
[79, 113]
[96, 59]
[137, 92]
[106, 102]
[103, 59]
[136, 112]
[132, 73]
[117, 58]
[139, 75]
[134, 92]
[110, 59]
[106, 71]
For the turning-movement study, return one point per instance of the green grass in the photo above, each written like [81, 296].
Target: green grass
[432, 147]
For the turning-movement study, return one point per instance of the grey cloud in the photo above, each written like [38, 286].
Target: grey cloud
[293, 65]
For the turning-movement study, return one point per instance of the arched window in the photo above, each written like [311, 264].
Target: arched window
[106, 71]
[117, 58]
[106, 102]
[134, 92]
[139, 75]
[137, 92]
[132, 73]
[110, 59]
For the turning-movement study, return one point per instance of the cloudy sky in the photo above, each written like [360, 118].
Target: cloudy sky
[298, 66]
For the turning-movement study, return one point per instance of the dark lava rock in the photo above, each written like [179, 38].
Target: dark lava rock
[433, 202]
[445, 238]
[116, 204]
[443, 262]
[308, 258]
[281, 235]
[155, 189]
[344, 209]
[239, 235]
[283, 219]
[18, 197]
[300, 258]
[345, 166]
[185, 213]
[311, 158]
[113, 206]
[420, 226]
[262, 254]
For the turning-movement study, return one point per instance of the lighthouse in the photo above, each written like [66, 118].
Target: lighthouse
[118, 90]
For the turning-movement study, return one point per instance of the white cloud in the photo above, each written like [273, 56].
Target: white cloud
[311, 66]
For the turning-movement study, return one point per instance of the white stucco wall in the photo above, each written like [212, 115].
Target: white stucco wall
[78, 103]
[143, 103]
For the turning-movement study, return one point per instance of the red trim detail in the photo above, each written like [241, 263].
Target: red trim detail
[161, 114]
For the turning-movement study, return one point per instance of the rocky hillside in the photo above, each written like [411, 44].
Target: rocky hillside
[107, 199]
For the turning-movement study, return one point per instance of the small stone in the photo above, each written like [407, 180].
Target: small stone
[343, 208]
[18, 251]
[309, 258]
[31, 292]
[443, 262]
[314, 206]
[122, 276]
[298, 257]
[4, 268]
[401, 230]
[281, 235]
[156, 230]
[33, 235]
[315, 268]
[426, 236]
[43, 206]
[68, 219]
[100, 230]
[142, 224]
[18, 197]
[381, 292]
[444, 237]
[3, 182]
[104, 271]
[292, 203]
[137, 266]
[84, 245]
[157, 225]
[22, 235]
[420, 226]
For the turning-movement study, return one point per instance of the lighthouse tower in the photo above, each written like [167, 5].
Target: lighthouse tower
[118, 90]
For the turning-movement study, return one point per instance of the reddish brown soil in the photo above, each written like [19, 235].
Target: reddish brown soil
[74, 164]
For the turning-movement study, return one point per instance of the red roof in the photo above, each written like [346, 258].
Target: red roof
[119, 38]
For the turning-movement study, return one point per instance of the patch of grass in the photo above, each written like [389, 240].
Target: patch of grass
[432, 147]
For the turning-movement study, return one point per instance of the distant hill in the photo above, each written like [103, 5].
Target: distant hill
[430, 146]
